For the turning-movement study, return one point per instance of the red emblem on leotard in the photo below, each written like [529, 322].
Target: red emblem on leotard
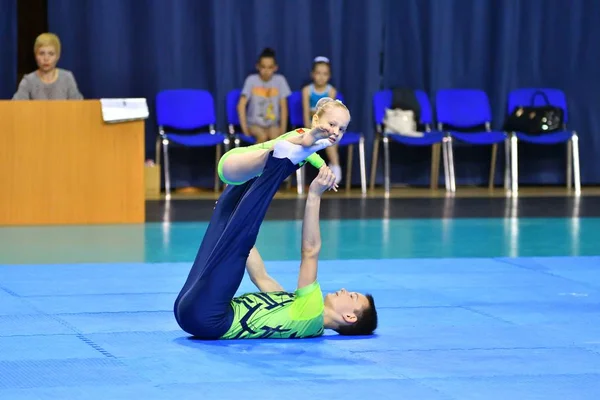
[300, 130]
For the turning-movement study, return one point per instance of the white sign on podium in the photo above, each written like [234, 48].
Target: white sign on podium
[123, 110]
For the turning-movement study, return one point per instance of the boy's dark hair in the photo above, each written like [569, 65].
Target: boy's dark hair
[267, 53]
[365, 324]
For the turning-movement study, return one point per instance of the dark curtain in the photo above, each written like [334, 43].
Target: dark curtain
[499, 45]
[8, 50]
[136, 48]
[120, 48]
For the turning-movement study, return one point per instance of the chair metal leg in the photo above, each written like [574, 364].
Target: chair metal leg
[165, 146]
[447, 182]
[514, 165]
[438, 156]
[576, 166]
[507, 164]
[451, 165]
[374, 162]
[157, 150]
[300, 180]
[435, 166]
[350, 150]
[438, 160]
[386, 160]
[432, 173]
[569, 165]
[493, 166]
[363, 167]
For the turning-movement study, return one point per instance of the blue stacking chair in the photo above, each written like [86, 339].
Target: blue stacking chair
[190, 111]
[556, 98]
[382, 100]
[469, 108]
[295, 110]
[233, 119]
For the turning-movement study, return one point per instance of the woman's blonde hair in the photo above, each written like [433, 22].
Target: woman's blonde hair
[326, 102]
[47, 39]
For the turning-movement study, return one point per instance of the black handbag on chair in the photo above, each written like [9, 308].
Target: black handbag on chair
[535, 119]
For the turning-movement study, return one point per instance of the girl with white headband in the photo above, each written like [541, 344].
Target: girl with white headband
[311, 94]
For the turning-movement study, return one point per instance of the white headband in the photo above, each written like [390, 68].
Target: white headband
[321, 59]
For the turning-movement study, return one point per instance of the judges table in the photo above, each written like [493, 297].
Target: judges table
[60, 163]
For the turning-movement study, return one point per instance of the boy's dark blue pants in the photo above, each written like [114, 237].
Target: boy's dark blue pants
[203, 307]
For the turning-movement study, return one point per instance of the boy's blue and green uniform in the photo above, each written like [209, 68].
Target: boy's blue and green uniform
[278, 315]
[206, 307]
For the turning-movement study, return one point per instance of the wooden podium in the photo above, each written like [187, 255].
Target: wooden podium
[60, 163]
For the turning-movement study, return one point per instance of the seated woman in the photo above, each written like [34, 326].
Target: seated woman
[48, 82]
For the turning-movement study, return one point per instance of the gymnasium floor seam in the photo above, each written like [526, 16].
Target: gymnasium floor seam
[75, 332]
[9, 292]
[515, 263]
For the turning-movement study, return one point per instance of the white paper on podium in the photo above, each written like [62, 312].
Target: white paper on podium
[122, 110]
